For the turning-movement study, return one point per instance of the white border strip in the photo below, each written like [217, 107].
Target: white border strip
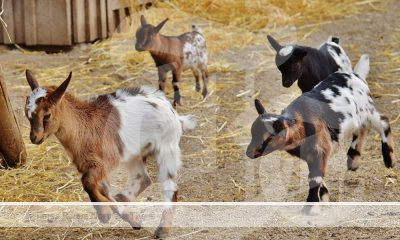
[200, 203]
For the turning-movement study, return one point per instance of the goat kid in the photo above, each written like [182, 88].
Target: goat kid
[307, 65]
[311, 126]
[176, 54]
[131, 125]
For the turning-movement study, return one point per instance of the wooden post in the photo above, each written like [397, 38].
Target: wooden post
[12, 147]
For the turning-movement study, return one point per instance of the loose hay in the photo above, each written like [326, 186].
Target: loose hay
[230, 26]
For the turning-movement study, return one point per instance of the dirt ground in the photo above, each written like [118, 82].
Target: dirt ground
[214, 174]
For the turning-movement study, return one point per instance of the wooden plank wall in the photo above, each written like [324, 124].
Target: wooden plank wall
[30, 23]
[63, 22]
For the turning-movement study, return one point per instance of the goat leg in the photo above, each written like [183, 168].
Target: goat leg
[175, 79]
[354, 152]
[197, 79]
[204, 75]
[92, 183]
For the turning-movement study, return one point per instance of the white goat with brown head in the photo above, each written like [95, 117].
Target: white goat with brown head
[175, 53]
[131, 125]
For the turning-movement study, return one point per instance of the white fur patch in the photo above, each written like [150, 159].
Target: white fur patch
[150, 118]
[197, 29]
[362, 67]
[169, 188]
[121, 210]
[195, 53]
[35, 95]
[341, 58]
[316, 179]
[146, 118]
[188, 122]
[286, 50]
[270, 119]
[359, 112]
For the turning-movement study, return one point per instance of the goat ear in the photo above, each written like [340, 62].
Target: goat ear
[335, 40]
[143, 20]
[300, 53]
[31, 80]
[282, 123]
[260, 108]
[59, 92]
[274, 43]
[161, 25]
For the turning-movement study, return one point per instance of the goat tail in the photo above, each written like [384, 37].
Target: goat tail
[196, 28]
[362, 67]
[333, 39]
[188, 122]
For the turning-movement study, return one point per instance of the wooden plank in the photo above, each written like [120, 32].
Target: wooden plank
[116, 13]
[121, 17]
[54, 28]
[78, 21]
[61, 33]
[110, 17]
[102, 18]
[44, 22]
[114, 4]
[8, 17]
[12, 146]
[19, 22]
[30, 22]
[91, 20]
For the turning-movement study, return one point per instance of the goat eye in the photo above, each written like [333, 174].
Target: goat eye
[46, 118]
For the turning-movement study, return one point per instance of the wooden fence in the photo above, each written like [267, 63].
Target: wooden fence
[64, 22]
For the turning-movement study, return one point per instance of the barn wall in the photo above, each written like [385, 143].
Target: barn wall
[63, 22]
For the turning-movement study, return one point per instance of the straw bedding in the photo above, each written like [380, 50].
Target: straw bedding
[231, 28]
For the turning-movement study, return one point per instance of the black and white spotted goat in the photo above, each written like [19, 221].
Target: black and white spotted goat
[312, 125]
[307, 65]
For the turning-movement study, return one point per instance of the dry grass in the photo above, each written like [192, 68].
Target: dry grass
[230, 26]
[111, 64]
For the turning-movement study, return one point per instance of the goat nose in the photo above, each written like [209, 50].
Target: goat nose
[33, 138]
[138, 47]
[250, 154]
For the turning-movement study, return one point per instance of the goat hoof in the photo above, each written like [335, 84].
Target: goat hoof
[177, 102]
[160, 233]
[136, 227]
[104, 217]
[135, 222]
[177, 98]
[204, 93]
[311, 210]
[352, 168]
[121, 198]
[198, 87]
[353, 164]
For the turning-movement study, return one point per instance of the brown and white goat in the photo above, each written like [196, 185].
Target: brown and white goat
[131, 125]
[311, 126]
[176, 54]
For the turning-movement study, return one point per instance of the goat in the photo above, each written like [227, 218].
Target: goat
[312, 125]
[307, 65]
[129, 125]
[176, 54]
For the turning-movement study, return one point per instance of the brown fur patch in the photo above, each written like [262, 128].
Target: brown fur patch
[89, 130]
